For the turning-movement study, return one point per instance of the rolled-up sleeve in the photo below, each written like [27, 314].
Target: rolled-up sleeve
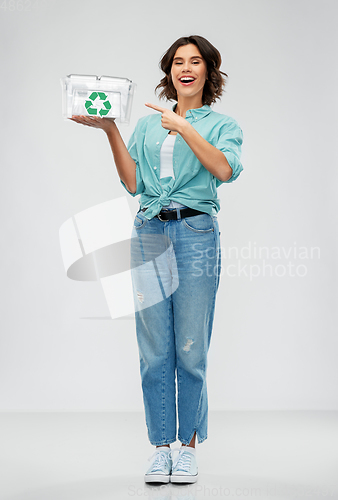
[230, 143]
[132, 147]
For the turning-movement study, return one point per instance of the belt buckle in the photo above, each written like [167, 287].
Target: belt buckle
[159, 215]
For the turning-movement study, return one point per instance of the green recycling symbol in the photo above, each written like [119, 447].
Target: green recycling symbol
[90, 105]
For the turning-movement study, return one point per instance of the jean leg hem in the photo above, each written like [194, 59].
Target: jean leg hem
[163, 442]
[199, 439]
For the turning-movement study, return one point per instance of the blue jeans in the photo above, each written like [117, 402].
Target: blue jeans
[175, 268]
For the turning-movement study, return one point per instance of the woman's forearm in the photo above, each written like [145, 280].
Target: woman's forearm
[125, 165]
[211, 158]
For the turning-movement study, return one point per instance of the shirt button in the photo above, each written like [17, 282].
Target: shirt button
[157, 143]
[155, 168]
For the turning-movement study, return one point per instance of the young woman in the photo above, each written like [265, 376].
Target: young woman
[175, 160]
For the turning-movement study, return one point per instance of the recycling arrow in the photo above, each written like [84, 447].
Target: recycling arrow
[90, 104]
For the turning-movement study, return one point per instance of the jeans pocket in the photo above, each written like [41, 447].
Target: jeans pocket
[202, 223]
[140, 220]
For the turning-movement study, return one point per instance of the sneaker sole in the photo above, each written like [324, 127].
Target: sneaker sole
[183, 479]
[156, 478]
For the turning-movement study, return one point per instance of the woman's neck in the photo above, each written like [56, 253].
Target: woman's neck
[184, 104]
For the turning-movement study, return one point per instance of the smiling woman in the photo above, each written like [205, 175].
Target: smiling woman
[205, 53]
[175, 244]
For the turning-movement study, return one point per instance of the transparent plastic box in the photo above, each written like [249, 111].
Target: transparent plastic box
[90, 95]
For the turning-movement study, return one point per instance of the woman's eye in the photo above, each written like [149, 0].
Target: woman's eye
[180, 62]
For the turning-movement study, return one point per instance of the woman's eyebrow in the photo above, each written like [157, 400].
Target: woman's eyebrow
[194, 57]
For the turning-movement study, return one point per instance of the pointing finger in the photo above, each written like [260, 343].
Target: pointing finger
[157, 108]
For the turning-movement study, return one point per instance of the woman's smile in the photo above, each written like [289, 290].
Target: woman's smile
[187, 80]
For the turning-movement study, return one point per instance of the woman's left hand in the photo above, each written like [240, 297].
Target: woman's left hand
[170, 120]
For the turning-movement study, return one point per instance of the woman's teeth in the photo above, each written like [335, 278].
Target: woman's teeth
[187, 80]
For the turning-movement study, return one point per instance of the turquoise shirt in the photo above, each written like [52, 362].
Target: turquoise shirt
[193, 185]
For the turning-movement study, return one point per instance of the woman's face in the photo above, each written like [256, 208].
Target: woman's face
[188, 71]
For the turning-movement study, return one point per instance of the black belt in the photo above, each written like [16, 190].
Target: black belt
[172, 214]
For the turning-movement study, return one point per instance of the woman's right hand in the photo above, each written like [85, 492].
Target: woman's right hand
[106, 124]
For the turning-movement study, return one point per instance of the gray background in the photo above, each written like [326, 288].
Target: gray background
[274, 343]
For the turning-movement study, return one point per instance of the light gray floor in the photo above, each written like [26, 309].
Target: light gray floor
[85, 456]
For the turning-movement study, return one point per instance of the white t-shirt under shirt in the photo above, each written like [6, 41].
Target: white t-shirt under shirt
[167, 170]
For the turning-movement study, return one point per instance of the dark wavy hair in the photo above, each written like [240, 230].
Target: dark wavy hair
[215, 83]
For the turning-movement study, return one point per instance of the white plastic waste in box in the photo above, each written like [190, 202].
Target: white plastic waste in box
[105, 96]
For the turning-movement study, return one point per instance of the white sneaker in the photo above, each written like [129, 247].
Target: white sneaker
[184, 469]
[159, 470]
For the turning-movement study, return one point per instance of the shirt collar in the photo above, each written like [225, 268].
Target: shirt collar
[196, 113]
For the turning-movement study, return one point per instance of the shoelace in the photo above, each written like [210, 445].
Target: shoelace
[160, 460]
[183, 460]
